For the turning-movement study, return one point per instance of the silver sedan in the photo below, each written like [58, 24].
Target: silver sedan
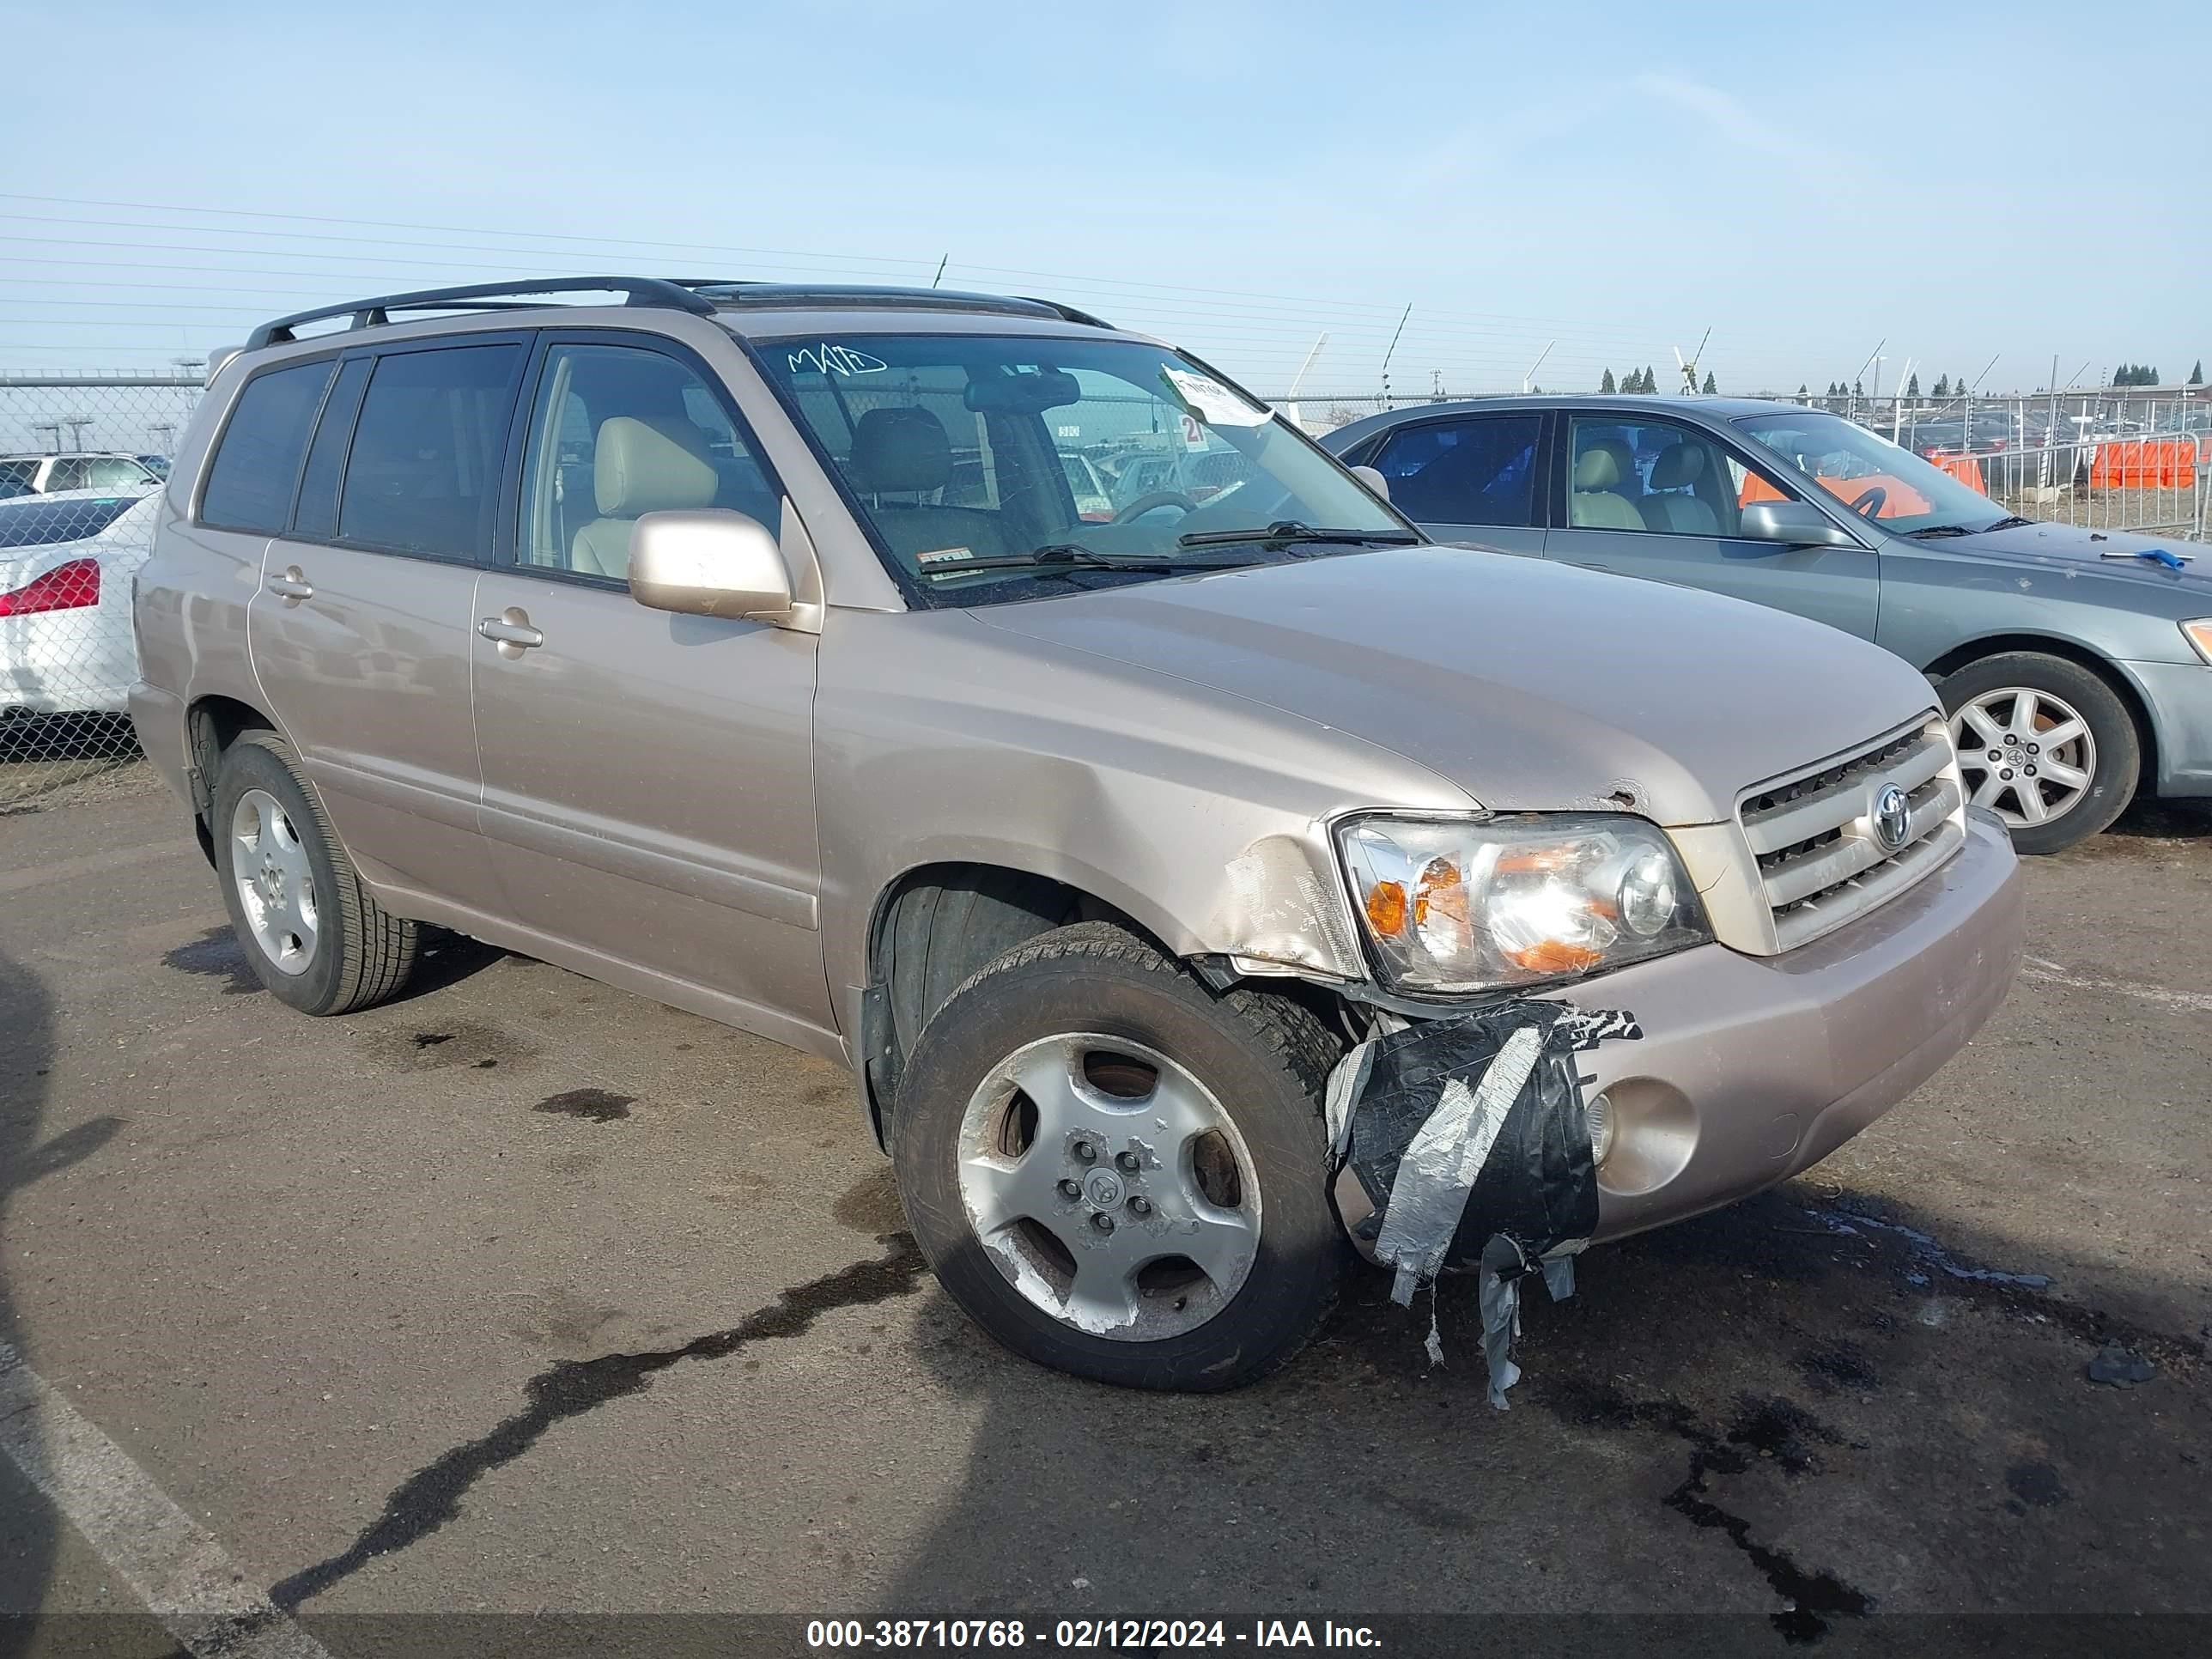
[66, 562]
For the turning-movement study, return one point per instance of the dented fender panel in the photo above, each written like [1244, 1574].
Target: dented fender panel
[1202, 815]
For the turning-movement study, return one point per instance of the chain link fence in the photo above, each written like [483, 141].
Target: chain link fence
[81, 458]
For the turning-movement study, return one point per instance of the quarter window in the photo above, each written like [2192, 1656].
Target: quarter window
[424, 468]
[1479, 471]
[249, 482]
[618, 432]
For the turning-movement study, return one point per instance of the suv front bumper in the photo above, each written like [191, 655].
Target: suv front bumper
[1753, 1068]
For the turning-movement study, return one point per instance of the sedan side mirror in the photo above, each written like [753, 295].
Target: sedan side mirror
[1795, 524]
[708, 562]
[1377, 485]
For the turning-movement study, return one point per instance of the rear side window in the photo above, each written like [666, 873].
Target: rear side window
[249, 482]
[1479, 471]
[36, 523]
[424, 467]
[319, 486]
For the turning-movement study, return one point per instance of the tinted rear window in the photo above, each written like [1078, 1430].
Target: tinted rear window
[39, 522]
[424, 466]
[249, 486]
[1478, 471]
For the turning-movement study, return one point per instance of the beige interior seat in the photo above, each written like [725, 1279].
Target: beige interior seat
[904, 452]
[640, 466]
[1596, 503]
[1679, 468]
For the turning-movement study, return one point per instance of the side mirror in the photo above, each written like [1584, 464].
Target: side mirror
[1794, 524]
[1377, 485]
[708, 562]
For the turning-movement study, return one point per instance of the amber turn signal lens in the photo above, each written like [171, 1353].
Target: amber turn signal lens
[1386, 909]
[1553, 956]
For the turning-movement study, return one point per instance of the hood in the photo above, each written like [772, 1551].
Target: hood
[1532, 686]
[2077, 545]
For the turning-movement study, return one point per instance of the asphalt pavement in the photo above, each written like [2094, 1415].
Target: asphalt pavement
[522, 1309]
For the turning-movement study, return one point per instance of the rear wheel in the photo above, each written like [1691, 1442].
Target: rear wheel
[312, 934]
[1118, 1174]
[2045, 743]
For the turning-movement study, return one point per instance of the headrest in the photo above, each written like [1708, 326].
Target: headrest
[900, 449]
[650, 466]
[1678, 465]
[1597, 469]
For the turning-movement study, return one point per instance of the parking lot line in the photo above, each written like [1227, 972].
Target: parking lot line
[2052, 973]
[175, 1565]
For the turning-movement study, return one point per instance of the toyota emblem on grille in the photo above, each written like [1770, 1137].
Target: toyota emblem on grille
[1892, 817]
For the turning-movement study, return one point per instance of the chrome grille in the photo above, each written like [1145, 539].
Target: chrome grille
[1822, 861]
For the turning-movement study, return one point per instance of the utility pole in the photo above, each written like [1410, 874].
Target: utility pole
[1299, 379]
[54, 427]
[1526, 379]
[1392, 349]
[76, 424]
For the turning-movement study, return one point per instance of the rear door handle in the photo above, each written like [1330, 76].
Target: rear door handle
[291, 584]
[511, 631]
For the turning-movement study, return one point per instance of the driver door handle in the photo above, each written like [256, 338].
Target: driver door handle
[291, 584]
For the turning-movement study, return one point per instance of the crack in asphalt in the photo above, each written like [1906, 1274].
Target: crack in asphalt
[1811, 1598]
[431, 1497]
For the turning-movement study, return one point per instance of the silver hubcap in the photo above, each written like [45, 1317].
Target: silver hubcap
[276, 883]
[2025, 754]
[1110, 1186]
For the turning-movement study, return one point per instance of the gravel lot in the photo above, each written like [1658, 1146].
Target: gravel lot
[522, 1297]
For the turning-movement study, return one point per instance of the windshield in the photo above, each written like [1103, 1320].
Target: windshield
[1871, 476]
[957, 449]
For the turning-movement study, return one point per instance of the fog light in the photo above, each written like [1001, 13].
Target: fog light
[1599, 1113]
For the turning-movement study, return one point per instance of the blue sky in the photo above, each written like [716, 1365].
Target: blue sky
[1963, 180]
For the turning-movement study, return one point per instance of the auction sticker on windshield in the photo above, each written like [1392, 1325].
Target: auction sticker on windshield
[1210, 401]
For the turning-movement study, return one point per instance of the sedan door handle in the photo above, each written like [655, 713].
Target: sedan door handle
[292, 584]
[511, 631]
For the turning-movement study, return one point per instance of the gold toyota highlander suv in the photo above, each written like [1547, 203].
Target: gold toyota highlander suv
[1178, 876]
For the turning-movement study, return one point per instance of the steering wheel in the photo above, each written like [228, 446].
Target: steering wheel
[1152, 498]
[1869, 505]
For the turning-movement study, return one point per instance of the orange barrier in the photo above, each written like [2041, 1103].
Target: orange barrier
[1900, 499]
[1965, 468]
[2144, 464]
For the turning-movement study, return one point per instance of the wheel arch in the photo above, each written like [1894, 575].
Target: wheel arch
[2114, 675]
[212, 723]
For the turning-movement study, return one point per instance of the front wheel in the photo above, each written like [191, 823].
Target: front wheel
[1116, 1173]
[2045, 743]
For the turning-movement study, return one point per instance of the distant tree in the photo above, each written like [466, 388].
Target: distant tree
[1802, 390]
[1536, 391]
[2197, 374]
[1709, 389]
[1650, 380]
[1942, 387]
[1858, 388]
[1912, 385]
[1606, 385]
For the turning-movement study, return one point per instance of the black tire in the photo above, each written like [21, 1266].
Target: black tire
[2118, 747]
[361, 955]
[1267, 1054]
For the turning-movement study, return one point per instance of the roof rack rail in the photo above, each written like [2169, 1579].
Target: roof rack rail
[487, 297]
[803, 295]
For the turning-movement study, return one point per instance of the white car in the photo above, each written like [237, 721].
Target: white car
[66, 562]
[84, 469]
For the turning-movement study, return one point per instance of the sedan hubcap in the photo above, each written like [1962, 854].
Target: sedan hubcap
[1109, 1187]
[276, 883]
[2025, 754]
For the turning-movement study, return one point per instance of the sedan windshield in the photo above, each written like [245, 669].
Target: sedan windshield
[1872, 477]
[990, 469]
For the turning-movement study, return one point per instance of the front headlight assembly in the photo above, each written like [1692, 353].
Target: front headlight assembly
[1459, 907]
[2199, 633]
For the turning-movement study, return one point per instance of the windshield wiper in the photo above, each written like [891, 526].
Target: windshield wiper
[2011, 520]
[1289, 530]
[1061, 558]
[1928, 532]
